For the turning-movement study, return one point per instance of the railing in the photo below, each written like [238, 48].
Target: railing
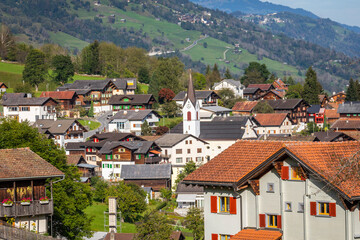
[9, 232]
[153, 159]
[18, 210]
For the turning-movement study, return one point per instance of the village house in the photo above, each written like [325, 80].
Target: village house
[274, 189]
[156, 176]
[208, 113]
[231, 84]
[67, 100]
[323, 99]
[130, 121]
[86, 170]
[75, 148]
[244, 108]
[3, 87]
[124, 86]
[30, 109]
[295, 107]
[188, 196]
[25, 175]
[338, 97]
[272, 123]
[114, 155]
[251, 94]
[316, 114]
[280, 85]
[131, 102]
[204, 97]
[331, 115]
[263, 87]
[272, 95]
[179, 149]
[330, 136]
[62, 131]
[349, 110]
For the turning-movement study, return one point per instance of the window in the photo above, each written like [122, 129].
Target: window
[272, 221]
[199, 159]
[189, 151]
[178, 151]
[189, 116]
[224, 204]
[120, 125]
[188, 159]
[295, 173]
[224, 237]
[323, 208]
[186, 142]
[199, 150]
[121, 150]
[288, 207]
[138, 156]
[13, 109]
[25, 109]
[270, 187]
[117, 166]
[178, 160]
[116, 156]
[108, 157]
[190, 142]
[94, 158]
[301, 207]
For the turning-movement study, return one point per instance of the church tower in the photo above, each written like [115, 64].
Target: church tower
[191, 108]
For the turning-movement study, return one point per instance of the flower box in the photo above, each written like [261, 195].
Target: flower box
[7, 204]
[44, 202]
[25, 203]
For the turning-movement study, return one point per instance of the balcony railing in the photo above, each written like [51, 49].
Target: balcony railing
[151, 160]
[18, 210]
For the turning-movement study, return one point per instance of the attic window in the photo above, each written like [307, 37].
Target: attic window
[41, 125]
[126, 99]
[59, 125]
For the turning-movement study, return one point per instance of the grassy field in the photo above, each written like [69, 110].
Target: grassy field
[91, 124]
[143, 87]
[67, 40]
[170, 122]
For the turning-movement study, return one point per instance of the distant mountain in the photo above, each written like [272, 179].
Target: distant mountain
[251, 7]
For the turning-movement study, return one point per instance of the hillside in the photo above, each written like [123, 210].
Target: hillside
[173, 26]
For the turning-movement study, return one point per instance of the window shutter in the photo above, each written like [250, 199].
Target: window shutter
[262, 220]
[313, 208]
[279, 221]
[284, 173]
[332, 209]
[232, 205]
[189, 116]
[214, 204]
[214, 237]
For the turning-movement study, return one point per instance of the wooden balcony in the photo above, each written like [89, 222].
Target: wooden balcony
[35, 208]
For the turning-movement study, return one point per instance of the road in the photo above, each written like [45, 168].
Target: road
[194, 43]
[102, 119]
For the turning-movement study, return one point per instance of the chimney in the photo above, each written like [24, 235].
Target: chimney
[112, 216]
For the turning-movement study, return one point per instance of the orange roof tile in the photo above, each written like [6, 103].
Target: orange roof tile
[253, 234]
[245, 106]
[270, 119]
[236, 162]
[331, 113]
[67, 95]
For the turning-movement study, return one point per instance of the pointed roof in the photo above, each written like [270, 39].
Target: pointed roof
[190, 92]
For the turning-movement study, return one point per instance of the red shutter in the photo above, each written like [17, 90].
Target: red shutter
[279, 221]
[284, 173]
[214, 237]
[262, 220]
[313, 208]
[232, 205]
[189, 116]
[213, 204]
[332, 209]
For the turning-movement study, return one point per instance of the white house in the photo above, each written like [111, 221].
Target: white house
[62, 131]
[30, 109]
[127, 121]
[231, 84]
[179, 149]
[281, 190]
[204, 97]
[272, 123]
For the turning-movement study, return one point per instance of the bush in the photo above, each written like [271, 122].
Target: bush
[161, 205]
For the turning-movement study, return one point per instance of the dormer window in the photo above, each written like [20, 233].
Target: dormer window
[59, 125]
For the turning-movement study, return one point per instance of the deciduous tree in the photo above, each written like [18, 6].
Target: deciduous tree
[199, 81]
[189, 168]
[6, 41]
[195, 222]
[35, 69]
[263, 107]
[166, 95]
[146, 130]
[63, 69]
[155, 226]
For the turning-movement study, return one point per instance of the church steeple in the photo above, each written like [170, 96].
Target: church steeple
[191, 108]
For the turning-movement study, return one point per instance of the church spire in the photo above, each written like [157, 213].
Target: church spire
[190, 92]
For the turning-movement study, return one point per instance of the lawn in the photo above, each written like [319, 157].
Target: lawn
[170, 122]
[91, 124]
[143, 87]
[67, 40]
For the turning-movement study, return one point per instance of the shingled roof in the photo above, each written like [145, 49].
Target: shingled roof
[137, 99]
[122, 83]
[146, 171]
[199, 94]
[134, 115]
[89, 84]
[171, 139]
[263, 87]
[285, 104]
[56, 127]
[245, 158]
[346, 124]
[330, 136]
[61, 95]
[245, 106]
[270, 119]
[23, 163]
[40, 101]
[349, 108]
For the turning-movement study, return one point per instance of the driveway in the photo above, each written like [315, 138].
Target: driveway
[102, 119]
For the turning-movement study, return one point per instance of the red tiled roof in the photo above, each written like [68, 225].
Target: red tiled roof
[1, 83]
[324, 158]
[346, 123]
[332, 113]
[245, 106]
[24, 163]
[66, 95]
[270, 119]
[261, 86]
[253, 234]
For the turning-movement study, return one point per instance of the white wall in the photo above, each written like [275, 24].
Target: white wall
[284, 128]
[237, 90]
[105, 171]
[36, 112]
[215, 147]
[35, 223]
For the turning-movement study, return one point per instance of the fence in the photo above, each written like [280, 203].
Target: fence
[12, 233]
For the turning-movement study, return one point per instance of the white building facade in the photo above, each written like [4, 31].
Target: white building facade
[231, 84]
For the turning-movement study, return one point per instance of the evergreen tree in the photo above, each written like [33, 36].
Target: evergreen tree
[63, 69]
[208, 70]
[91, 110]
[195, 222]
[228, 74]
[352, 92]
[146, 129]
[255, 73]
[312, 88]
[143, 75]
[290, 81]
[90, 58]
[35, 68]
[214, 76]
[199, 81]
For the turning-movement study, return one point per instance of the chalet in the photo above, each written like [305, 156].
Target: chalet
[124, 86]
[8, 96]
[272, 95]
[272, 123]
[132, 120]
[116, 154]
[25, 175]
[231, 84]
[338, 97]
[66, 99]
[179, 149]
[316, 114]
[323, 99]
[280, 190]
[30, 109]
[252, 93]
[156, 176]
[97, 91]
[210, 112]
[349, 110]
[131, 102]
[244, 108]
[263, 87]
[86, 170]
[295, 107]
[75, 148]
[330, 136]
[346, 125]
[62, 131]
[97, 141]
[3, 87]
[204, 97]
[280, 85]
